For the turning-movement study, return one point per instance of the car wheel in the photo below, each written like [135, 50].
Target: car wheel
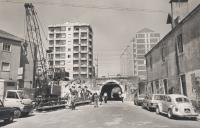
[157, 110]
[17, 113]
[169, 114]
[148, 108]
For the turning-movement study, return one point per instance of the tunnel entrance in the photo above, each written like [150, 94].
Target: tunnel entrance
[113, 91]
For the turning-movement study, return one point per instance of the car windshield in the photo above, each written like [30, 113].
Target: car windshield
[21, 95]
[182, 100]
[157, 97]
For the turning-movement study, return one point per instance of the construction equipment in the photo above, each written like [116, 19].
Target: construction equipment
[33, 37]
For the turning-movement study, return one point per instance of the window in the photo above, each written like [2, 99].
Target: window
[140, 46]
[69, 29]
[140, 62]
[60, 56]
[5, 67]
[51, 42]
[154, 35]
[182, 100]
[60, 42]
[139, 51]
[153, 40]
[163, 53]
[140, 35]
[63, 28]
[140, 57]
[180, 43]
[150, 61]
[51, 35]
[140, 40]
[51, 29]
[6, 47]
[12, 95]
[69, 56]
[141, 67]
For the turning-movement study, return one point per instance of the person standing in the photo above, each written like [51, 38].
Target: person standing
[101, 99]
[105, 95]
[73, 98]
[96, 98]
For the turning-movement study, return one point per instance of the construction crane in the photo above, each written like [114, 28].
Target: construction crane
[33, 37]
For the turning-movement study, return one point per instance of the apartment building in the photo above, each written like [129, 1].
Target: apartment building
[145, 40]
[72, 49]
[173, 65]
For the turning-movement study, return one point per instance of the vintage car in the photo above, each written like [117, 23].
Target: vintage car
[150, 102]
[176, 105]
[138, 99]
[6, 113]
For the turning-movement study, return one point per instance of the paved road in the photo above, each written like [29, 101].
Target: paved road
[111, 115]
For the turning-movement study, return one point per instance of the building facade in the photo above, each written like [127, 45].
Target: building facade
[72, 49]
[10, 50]
[144, 41]
[16, 67]
[173, 65]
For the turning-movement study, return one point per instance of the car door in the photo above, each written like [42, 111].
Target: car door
[2, 111]
[164, 104]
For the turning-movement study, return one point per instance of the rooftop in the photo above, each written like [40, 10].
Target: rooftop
[188, 17]
[145, 30]
[6, 35]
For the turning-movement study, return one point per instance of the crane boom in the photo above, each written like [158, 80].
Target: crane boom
[34, 38]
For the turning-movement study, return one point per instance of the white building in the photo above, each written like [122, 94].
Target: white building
[145, 39]
[72, 49]
[126, 61]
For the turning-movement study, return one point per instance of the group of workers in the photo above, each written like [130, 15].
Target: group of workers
[94, 98]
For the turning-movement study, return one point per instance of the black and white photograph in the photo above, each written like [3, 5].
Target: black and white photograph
[100, 63]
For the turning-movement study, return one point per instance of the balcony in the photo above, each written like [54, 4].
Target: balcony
[83, 58]
[75, 65]
[83, 65]
[84, 51]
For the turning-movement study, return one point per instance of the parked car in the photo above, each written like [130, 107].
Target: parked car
[6, 113]
[176, 105]
[18, 100]
[150, 102]
[138, 99]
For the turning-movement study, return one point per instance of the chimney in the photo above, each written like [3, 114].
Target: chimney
[179, 9]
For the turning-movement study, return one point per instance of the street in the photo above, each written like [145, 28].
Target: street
[114, 114]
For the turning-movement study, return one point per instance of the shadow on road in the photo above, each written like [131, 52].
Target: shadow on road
[4, 124]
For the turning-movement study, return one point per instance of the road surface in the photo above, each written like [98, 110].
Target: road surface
[115, 114]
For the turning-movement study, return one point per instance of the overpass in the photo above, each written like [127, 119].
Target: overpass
[114, 85]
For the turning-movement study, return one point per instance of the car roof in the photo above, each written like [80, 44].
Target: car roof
[176, 95]
[158, 94]
[15, 90]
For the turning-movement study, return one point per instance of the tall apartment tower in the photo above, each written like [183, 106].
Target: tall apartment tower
[72, 49]
[145, 40]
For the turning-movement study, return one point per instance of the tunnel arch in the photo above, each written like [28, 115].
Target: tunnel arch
[112, 88]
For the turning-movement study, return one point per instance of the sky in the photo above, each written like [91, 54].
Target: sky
[114, 22]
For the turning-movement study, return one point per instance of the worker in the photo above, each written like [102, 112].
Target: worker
[96, 99]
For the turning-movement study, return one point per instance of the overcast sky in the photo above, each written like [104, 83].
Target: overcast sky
[113, 26]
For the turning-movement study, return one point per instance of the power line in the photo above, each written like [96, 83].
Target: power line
[90, 6]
